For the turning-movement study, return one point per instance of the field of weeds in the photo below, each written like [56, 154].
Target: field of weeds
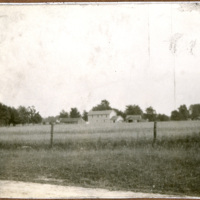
[115, 156]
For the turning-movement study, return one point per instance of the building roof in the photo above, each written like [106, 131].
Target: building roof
[133, 117]
[68, 120]
[100, 112]
[116, 118]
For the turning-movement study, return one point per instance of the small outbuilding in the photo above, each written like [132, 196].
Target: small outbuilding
[133, 118]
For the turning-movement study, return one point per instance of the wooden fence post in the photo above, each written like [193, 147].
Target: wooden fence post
[154, 133]
[51, 140]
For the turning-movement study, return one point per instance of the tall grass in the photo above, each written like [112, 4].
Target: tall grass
[115, 156]
[94, 137]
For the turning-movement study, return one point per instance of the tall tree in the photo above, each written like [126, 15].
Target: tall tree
[74, 113]
[150, 114]
[183, 112]
[162, 117]
[133, 110]
[4, 115]
[23, 114]
[14, 116]
[36, 119]
[31, 113]
[63, 114]
[194, 111]
[85, 115]
[175, 115]
[34, 116]
[104, 105]
[150, 111]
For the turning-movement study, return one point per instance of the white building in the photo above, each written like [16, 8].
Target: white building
[104, 116]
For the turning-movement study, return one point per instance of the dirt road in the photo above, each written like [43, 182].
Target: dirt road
[11, 189]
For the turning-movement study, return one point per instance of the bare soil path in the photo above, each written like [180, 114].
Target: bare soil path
[16, 189]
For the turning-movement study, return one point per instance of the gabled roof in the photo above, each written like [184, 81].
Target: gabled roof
[100, 112]
[133, 117]
[116, 118]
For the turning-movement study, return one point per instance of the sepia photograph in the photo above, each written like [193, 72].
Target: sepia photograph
[100, 100]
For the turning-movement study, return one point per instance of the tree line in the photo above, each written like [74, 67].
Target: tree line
[74, 113]
[150, 114]
[21, 115]
[26, 115]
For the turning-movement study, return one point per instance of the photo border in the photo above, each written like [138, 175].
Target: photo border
[74, 2]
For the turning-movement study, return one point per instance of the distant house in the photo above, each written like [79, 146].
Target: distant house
[133, 118]
[71, 121]
[103, 116]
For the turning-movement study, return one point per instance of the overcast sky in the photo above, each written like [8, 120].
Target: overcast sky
[61, 56]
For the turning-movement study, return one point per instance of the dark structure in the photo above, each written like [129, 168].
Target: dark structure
[133, 118]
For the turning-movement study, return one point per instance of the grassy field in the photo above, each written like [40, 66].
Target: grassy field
[115, 156]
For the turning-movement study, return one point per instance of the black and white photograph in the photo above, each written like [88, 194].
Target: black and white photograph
[100, 100]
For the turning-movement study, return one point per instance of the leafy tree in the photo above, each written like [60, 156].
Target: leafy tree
[175, 115]
[195, 111]
[150, 114]
[14, 116]
[183, 112]
[150, 111]
[4, 115]
[63, 114]
[85, 115]
[162, 117]
[34, 116]
[31, 113]
[133, 110]
[74, 113]
[104, 105]
[23, 115]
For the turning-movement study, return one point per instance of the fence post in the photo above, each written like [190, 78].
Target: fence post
[154, 133]
[51, 140]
